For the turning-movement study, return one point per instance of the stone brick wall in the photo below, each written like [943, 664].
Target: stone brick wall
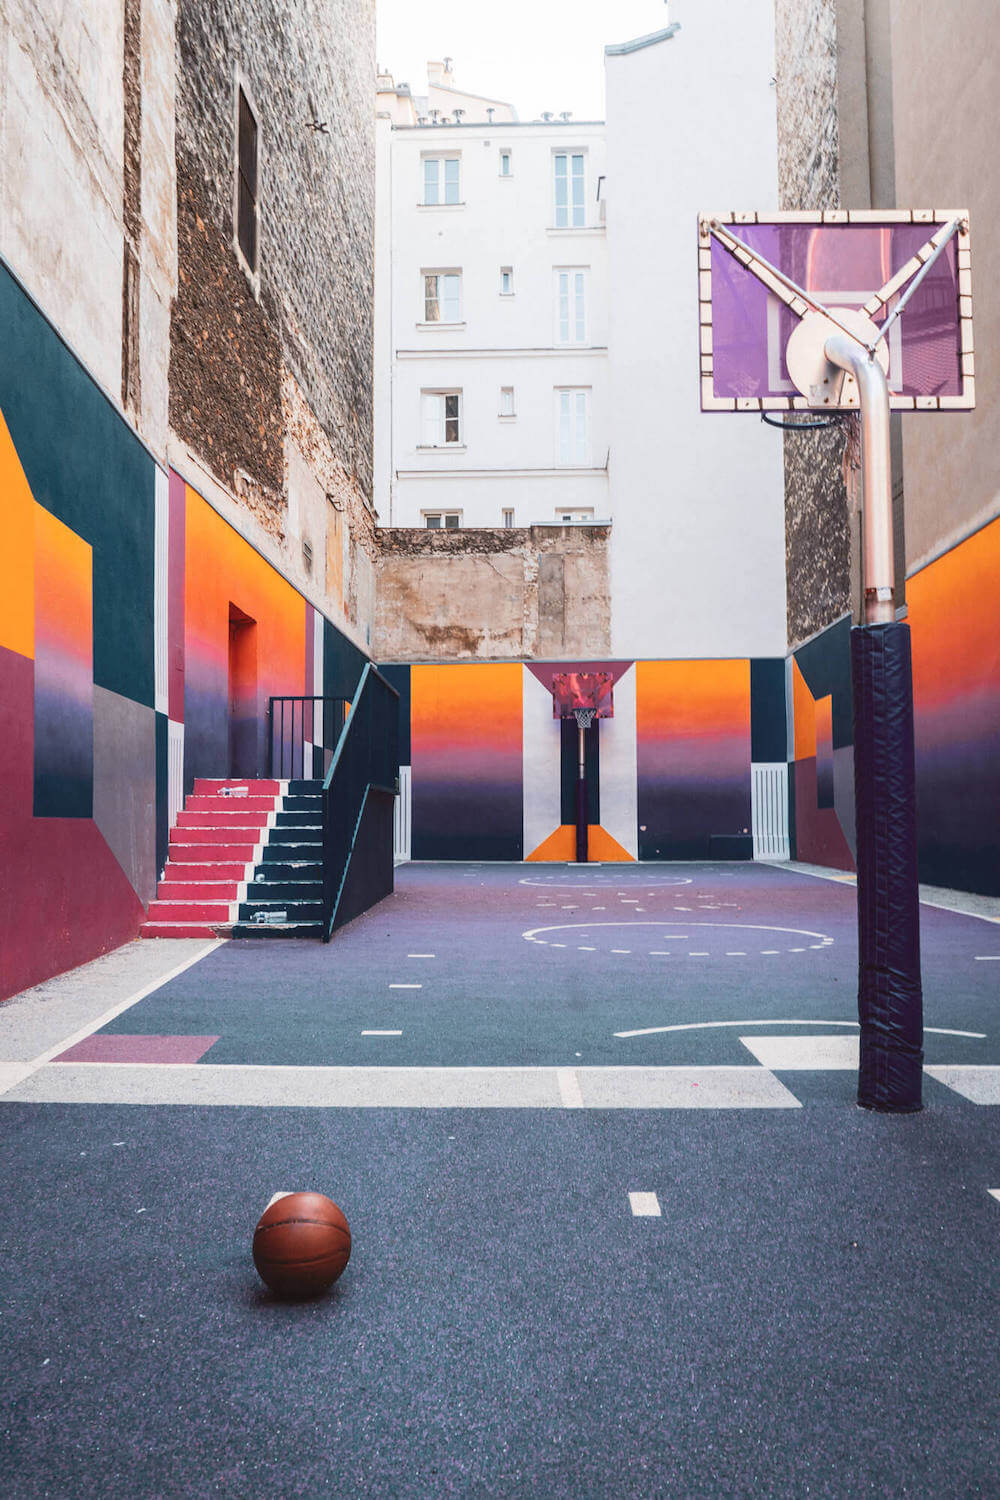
[817, 523]
[481, 594]
[250, 356]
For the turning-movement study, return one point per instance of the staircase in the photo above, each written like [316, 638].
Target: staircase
[245, 860]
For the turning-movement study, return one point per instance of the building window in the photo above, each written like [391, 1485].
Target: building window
[505, 164]
[584, 513]
[506, 281]
[246, 182]
[508, 518]
[506, 400]
[573, 416]
[441, 413]
[569, 190]
[442, 297]
[571, 307]
[442, 520]
[441, 179]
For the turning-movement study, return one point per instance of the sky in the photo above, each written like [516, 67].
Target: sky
[535, 54]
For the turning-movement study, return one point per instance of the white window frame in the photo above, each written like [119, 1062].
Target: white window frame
[507, 271]
[441, 200]
[241, 84]
[441, 517]
[506, 155]
[442, 300]
[507, 408]
[568, 515]
[573, 427]
[507, 517]
[573, 328]
[434, 418]
[571, 214]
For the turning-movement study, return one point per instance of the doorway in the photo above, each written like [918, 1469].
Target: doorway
[243, 707]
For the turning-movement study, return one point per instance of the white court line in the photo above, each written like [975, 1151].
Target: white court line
[381, 1033]
[275, 1198]
[644, 1205]
[994, 1193]
[421, 955]
[711, 1025]
[988, 958]
[26, 1069]
[406, 986]
[569, 1088]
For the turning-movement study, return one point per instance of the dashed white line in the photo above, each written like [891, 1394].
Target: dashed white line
[406, 986]
[381, 1033]
[988, 958]
[770, 950]
[614, 950]
[659, 952]
[741, 952]
[645, 1205]
[584, 949]
[421, 955]
[699, 953]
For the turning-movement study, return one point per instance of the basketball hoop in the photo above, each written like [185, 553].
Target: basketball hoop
[584, 717]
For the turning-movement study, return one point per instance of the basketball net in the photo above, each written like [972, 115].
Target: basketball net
[584, 716]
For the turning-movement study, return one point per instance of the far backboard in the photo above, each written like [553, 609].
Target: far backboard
[858, 265]
[579, 691]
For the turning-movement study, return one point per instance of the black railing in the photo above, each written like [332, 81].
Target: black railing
[302, 734]
[358, 795]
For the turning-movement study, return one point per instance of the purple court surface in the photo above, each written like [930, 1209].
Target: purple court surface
[619, 1228]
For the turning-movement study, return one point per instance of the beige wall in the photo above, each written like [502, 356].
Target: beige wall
[947, 125]
[492, 595]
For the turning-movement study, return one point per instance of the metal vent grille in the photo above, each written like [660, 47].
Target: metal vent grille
[769, 810]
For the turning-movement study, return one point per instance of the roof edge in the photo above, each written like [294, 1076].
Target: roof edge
[619, 49]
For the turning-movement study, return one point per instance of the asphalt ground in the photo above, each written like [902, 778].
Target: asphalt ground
[813, 1310]
[546, 966]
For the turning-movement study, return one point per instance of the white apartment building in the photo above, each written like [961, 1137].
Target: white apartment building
[698, 545]
[491, 313]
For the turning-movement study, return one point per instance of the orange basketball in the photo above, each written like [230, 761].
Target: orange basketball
[301, 1244]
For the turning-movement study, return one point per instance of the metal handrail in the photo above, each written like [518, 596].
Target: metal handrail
[291, 720]
[365, 761]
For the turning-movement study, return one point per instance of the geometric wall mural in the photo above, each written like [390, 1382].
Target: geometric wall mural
[64, 671]
[954, 618]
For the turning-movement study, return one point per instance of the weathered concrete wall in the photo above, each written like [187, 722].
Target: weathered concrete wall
[270, 376]
[482, 594]
[87, 187]
[61, 138]
[947, 155]
[817, 528]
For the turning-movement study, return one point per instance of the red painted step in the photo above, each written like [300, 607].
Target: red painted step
[231, 806]
[189, 911]
[211, 873]
[197, 890]
[226, 834]
[195, 817]
[255, 788]
[184, 930]
[200, 853]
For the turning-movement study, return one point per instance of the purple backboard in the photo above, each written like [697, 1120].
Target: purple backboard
[859, 260]
[582, 690]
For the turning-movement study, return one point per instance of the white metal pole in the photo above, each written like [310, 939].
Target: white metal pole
[876, 476]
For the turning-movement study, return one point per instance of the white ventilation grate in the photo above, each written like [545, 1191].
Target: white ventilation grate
[401, 818]
[175, 770]
[769, 810]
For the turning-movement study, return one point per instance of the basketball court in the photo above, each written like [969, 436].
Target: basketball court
[618, 1226]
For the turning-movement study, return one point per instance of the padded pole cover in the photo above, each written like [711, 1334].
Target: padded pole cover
[890, 999]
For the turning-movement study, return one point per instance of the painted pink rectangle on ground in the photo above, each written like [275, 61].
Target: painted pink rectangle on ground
[112, 1047]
